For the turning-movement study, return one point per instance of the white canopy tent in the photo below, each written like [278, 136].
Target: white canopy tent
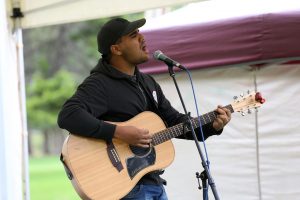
[14, 182]
[257, 156]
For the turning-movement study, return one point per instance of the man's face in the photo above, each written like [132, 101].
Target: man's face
[133, 48]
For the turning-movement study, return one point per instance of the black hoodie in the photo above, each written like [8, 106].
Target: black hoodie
[110, 95]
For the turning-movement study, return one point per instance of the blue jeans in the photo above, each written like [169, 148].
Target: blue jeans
[147, 192]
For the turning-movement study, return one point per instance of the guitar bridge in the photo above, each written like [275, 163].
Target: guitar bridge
[113, 156]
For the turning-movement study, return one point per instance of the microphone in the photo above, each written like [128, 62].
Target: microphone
[158, 55]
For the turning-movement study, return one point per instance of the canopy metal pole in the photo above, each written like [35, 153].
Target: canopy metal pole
[255, 68]
[25, 157]
[17, 32]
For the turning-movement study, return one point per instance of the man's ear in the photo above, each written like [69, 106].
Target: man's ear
[114, 49]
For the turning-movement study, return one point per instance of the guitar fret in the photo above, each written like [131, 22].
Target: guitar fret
[209, 117]
[159, 138]
[167, 135]
[194, 122]
[172, 134]
[153, 140]
[180, 129]
[163, 136]
[212, 116]
[203, 120]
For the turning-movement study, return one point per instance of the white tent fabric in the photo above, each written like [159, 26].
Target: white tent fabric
[10, 114]
[48, 12]
[218, 10]
[249, 161]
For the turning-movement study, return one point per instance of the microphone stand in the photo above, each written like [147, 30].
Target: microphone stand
[205, 175]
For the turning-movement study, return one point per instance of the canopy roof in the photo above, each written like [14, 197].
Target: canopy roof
[215, 33]
[48, 12]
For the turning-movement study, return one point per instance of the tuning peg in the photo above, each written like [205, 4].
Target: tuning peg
[242, 113]
[242, 94]
[248, 92]
[249, 111]
[259, 98]
[235, 97]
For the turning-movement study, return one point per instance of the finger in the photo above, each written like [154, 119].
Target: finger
[143, 145]
[223, 118]
[220, 111]
[220, 121]
[228, 113]
[224, 111]
[146, 137]
[145, 141]
[218, 124]
[145, 131]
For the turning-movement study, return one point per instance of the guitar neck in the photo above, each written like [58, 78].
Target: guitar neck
[177, 130]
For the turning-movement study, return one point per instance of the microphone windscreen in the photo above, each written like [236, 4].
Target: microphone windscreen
[156, 54]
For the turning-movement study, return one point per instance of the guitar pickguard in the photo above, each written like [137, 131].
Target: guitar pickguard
[137, 163]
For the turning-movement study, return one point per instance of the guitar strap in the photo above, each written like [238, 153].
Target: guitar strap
[113, 156]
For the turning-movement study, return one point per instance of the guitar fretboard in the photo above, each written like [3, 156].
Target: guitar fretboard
[178, 129]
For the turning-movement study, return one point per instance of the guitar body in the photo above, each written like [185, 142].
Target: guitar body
[95, 177]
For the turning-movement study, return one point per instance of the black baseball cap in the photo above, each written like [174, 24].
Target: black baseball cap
[113, 30]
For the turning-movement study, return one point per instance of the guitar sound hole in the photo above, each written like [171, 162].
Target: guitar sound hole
[139, 151]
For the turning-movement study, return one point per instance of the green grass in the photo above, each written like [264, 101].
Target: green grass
[48, 180]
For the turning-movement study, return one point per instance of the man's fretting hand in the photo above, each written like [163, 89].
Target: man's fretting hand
[224, 116]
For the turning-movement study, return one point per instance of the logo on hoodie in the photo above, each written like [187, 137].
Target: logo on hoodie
[154, 96]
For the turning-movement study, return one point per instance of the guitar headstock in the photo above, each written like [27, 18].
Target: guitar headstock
[245, 103]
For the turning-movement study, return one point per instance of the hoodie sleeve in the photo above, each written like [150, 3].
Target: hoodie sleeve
[173, 117]
[79, 115]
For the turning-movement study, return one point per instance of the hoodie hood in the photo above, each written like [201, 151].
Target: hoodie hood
[105, 68]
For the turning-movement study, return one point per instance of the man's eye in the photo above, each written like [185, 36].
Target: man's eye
[134, 34]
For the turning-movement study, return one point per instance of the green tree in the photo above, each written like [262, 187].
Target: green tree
[45, 96]
[72, 47]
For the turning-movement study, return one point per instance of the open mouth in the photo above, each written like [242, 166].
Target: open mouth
[144, 48]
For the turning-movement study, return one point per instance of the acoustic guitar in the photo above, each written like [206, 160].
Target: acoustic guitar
[102, 170]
